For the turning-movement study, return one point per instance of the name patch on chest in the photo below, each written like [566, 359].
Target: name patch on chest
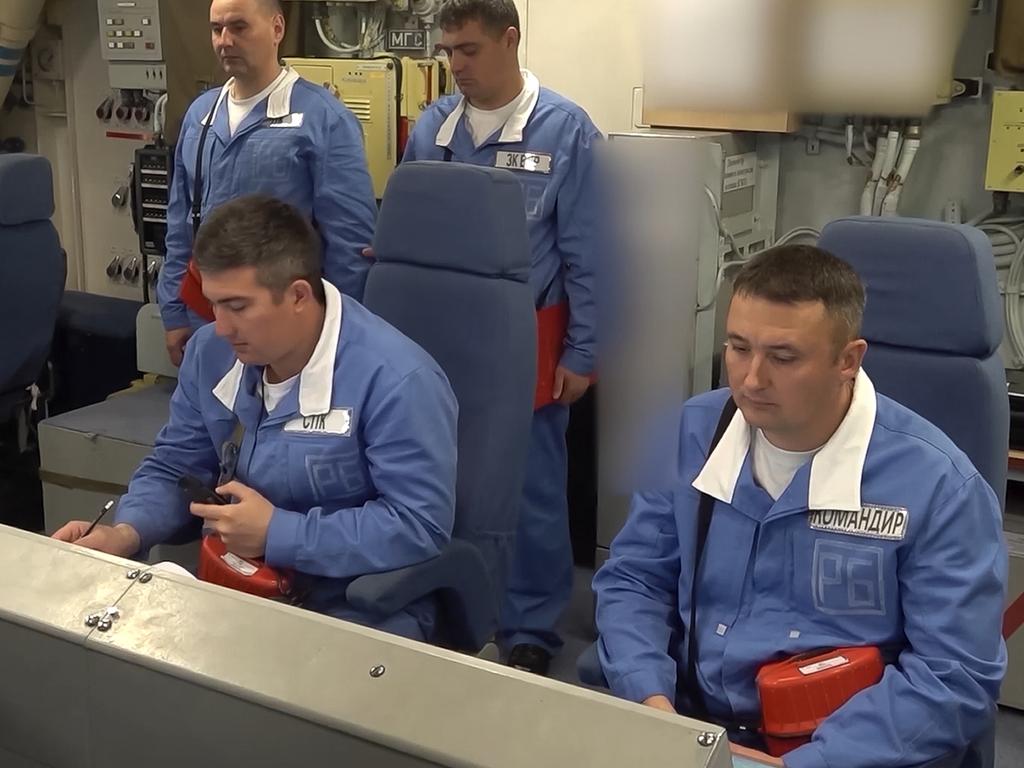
[336, 422]
[531, 162]
[872, 521]
[294, 120]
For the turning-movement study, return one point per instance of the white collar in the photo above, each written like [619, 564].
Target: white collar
[316, 380]
[279, 102]
[515, 125]
[836, 470]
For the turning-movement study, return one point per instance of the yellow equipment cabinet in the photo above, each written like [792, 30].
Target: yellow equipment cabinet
[424, 81]
[1006, 143]
[386, 94]
[368, 87]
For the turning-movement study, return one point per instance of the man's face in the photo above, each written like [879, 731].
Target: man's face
[262, 329]
[480, 63]
[245, 35]
[786, 371]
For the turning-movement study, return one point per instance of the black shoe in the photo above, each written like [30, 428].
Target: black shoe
[530, 658]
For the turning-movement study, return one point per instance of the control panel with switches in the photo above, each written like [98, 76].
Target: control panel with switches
[130, 30]
[159, 46]
[1005, 171]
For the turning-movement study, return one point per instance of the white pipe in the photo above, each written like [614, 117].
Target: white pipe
[158, 115]
[19, 20]
[1014, 220]
[1004, 231]
[867, 198]
[346, 49]
[890, 205]
[892, 153]
[431, 7]
[1012, 304]
[798, 232]
[867, 144]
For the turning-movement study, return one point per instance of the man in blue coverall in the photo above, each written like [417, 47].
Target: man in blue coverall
[346, 463]
[505, 119]
[273, 133]
[802, 553]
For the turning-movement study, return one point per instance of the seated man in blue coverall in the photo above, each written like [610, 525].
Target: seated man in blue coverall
[346, 465]
[795, 558]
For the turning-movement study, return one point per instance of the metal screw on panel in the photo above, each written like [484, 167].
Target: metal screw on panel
[133, 574]
[707, 739]
[378, 671]
[103, 621]
[146, 578]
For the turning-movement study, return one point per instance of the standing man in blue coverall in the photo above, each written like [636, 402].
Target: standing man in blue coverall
[346, 464]
[802, 551]
[266, 131]
[505, 119]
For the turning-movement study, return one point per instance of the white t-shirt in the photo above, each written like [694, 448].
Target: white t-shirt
[773, 467]
[239, 109]
[273, 394]
[484, 122]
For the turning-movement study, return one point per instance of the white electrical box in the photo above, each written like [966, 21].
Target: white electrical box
[689, 206]
[740, 171]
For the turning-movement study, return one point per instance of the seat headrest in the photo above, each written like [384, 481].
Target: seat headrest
[26, 189]
[930, 285]
[455, 216]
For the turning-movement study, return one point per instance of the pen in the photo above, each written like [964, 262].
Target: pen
[106, 508]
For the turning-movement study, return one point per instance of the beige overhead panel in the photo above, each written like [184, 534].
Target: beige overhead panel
[757, 64]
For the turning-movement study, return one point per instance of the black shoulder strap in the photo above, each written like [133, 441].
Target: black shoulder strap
[197, 187]
[690, 686]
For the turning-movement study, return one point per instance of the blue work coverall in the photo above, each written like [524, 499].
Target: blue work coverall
[889, 538]
[550, 144]
[358, 459]
[300, 145]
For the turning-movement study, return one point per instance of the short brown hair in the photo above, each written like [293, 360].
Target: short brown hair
[264, 233]
[792, 274]
[495, 16]
[273, 7]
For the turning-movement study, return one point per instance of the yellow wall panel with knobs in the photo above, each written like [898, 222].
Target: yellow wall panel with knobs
[1005, 171]
[386, 94]
[368, 87]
